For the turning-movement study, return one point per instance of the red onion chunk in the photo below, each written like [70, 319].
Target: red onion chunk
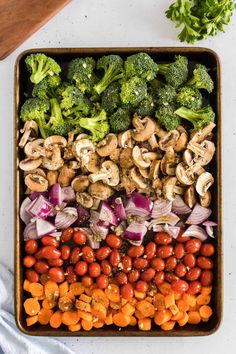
[44, 227]
[66, 218]
[119, 229]
[99, 231]
[170, 219]
[107, 214]
[68, 194]
[195, 231]
[209, 223]
[55, 195]
[119, 208]
[179, 206]
[198, 215]
[135, 232]
[138, 205]
[173, 231]
[83, 215]
[35, 195]
[161, 207]
[24, 215]
[40, 207]
[30, 231]
[209, 231]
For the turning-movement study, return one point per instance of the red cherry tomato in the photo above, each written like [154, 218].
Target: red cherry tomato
[189, 260]
[179, 250]
[114, 258]
[75, 255]
[50, 252]
[29, 261]
[102, 253]
[207, 250]
[141, 286]
[55, 262]
[180, 286]
[50, 241]
[193, 274]
[140, 263]
[102, 281]
[133, 275]
[148, 274]
[150, 250]
[94, 270]
[81, 268]
[41, 267]
[193, 245]
[32, 276]
[162, 238]
[56, 274]
[106, 267]
[70, 275]
[170, 264]
[67, 234]
[164, 251]
[158, 264]
[121, 278]
[79, 237]
[204, 262]
[180, 237]
[159, 278]
[194, 288]
[113, 241]
[65, 252]
[87, 281]
[180, 270]
[88, 254]
[136, 251]
[127, 291]
[170, 277]
[31, 246]
[126, 262]
[39, 254]
[206, 278]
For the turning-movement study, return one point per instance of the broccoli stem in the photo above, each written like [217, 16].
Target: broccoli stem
[110, 76]
[39, 73]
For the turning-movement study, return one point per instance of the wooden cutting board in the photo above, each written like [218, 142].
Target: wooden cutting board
[19, 19]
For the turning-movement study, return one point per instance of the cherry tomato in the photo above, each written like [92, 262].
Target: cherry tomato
[158, 264]
[106, 267]
[189, 260]
[164, 251]
[41, 267]
[180, 270]
[79, 237]
[87, 281]
[94, 270]
[102, 281]
[31, 246]
[207, 250]
[67, 234]
[126, 262]
[56, 274]
[170, 264]
[70, 275]
[81, 268]
[50, 241]
[182, 239]
[75, 255]
[114, 258]
[179, 250]
[206, 278]
[44, 278]
[29, 261]
[39, 254]
[159, 278]
[150, 250]
[148, 274]
[32, 276]
[194, 287]
[65, 252]
[113, 241]
[133, 275]
[121, 278]
[193, 245]
[193, 274]
[50, 252]
[180, 286]
[204, 262]
[141, 286]
[127, 291]
[102, 253]
[55, 262]
[136, 251]
[170, 277]
[88, 254]
[162, 238]
[140, 263]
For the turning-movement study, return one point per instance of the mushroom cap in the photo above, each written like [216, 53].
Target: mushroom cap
[205, 200]
[188, 157]
[107, 145]
[169, 140]
[29, 164]
[38, 171]
[115, 155]
[203, 133]
[34, 148]
[145, 128]
[55, 162]
[80, 183]
[58, 140]
[36, 183]
[82, 136]
[138, 158]
[93, 161]
[66, 175]
[85, 199]
[82, 147]
[100, 190]
[204, 182]
[125, 139]
[168, 186]
[190, 196]
[30, 129]
[182, 175]
[206, 152]
[113, 171]
[126, 159]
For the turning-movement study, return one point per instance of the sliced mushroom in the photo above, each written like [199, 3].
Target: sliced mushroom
[68, 154]
[125, 139]
[126, 182]
[188, 157]
[138, 158]
[204, 151]
[138, 179]
[115, 155]
[85, 199]
[75, 165]
[126, 160]
[182, 176]
[66, 175]
[205, 200]
[52, 177]
[55, 162]
[96, 204]
[195, 170]
[169, 140]
[190, 196]
[82, 136]
[182, 141]
[36, 183]
[203, 133]
[82, 150]
[30, 130]
[100, 190]
[80, 183]
[154, 169]
[161, 133]
[168, 186]
[204, 181]
[153, 142]
[38, 171]
[34, 149]
[55, 140]
[144, 128]
[93, 164]
[169, 162]
[107, 145]
[29, 164]
[109, 173]
[144, 173]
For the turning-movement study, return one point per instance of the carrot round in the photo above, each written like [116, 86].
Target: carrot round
[98, 324]
[85, 298]
[51, 290]
[31, 306]
[162, 317]
[44, 316]
[75, 328]
[128, 309]
[77, 288]
[159, 302]
[133, 321]
[113, 292]
[182, 305]
[183, 320]
[99, 311]
[168, 326]
[145, 308]
[179, 316]
[85, 316]
[26, 285]
[30, 321]
[205, 311]
[121, 320]
[36, 289]
[99, 296]
[70, 317]
[56, 319]
[87, 326]
[47, 304]
[108, 319]
[203, 299]
[144, 324]
[165, 288]
[206, 290]
[63, 288]
[194, 317]
[189, 299]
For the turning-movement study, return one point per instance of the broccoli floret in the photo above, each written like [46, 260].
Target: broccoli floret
[56, 122]
[113, 71]
[97, 125]
[165, 95]
[198, 118]
[74, 101]
[146, 106]
[201, 79]
[120, 120]
[133, 91]
[41, 66]
[61, 88]
[167, 118]
[81, 71]
[141, 65]
[47, 87]
[36, 109]
[175, 73]
[110, 98]
[189, 97]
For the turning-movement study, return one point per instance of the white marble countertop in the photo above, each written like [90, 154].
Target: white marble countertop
[114, 23]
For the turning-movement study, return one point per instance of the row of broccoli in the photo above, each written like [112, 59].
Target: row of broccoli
[102, 96]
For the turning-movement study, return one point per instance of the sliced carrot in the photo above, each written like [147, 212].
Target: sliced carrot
[205, 311]
[194, 308]
[40, 297]
[206, 290]
[203, 299]
[108, 319]
[113, 292]
[87, 326]
[138, 314]
[159, 302]
[165, 288]
[128, 309]
[70, 317]
[168, 326]
[177, 295]
[30, 321]
[87, 316]
[56, 319]
[133, 321]
[75, 328]
[44, 316]
[36, 289]
[115, 305]
[145, 308]
[77, 288]
[51, 290]
[179, 316]
[189, 299]
[174, 309]
[194, 317]
[98, 324]
[85, 298]
[31, 306]
[133, 301]
[123, 301]
[149, 299]
[71, 295]
[99, 296]
[139, 295]
[47, 304]
[169, 300]
[26, 285]
[182, 305]
[162, 317]
[88, 291]
[63, 288]
[183, 320]
[121, 320]
[144, 324]
[83, 306]
[99, 311]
